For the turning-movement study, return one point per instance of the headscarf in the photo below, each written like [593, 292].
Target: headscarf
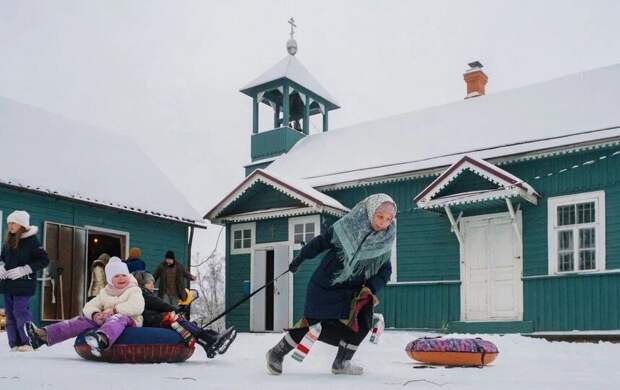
[143, 277]
[362, 250]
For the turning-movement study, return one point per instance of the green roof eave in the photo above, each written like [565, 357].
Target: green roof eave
[282, 81]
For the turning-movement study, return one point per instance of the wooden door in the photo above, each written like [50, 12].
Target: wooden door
[63, 282]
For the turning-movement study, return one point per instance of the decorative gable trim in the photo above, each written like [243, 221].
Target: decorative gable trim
[508, 185]
[312, 203]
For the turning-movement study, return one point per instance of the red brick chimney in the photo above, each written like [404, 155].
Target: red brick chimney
[475, 79]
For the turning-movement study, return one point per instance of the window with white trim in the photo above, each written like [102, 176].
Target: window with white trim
[242, 237]
[303, 229]
[577, 233]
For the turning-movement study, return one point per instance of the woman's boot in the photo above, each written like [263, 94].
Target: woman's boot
[275, 355]
[342, 364]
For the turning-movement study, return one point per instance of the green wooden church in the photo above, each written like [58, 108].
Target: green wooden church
[508, 203]
[89, 191]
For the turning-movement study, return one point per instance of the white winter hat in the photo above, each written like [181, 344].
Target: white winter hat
[114, 267]
[20, 217]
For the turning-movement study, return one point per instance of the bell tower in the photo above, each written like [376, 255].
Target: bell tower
[293, 95]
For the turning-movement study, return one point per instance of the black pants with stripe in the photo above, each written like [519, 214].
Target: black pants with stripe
[333, 331]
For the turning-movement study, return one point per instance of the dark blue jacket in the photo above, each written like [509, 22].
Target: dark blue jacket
[327, 301]
[29, 252]
[135, 265]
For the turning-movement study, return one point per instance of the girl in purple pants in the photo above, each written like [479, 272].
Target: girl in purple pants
[20, 259]
[117, 306]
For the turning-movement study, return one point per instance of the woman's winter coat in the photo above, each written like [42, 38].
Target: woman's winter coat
[130, 303]
[97, 278]
[325, 300]
[29, 252]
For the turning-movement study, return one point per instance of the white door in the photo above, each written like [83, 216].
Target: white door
[261, 311]
[257, 304]
[281, 306]
[491, 268]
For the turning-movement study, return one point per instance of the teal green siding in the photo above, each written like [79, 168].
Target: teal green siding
[152, 235]
[502, 327]
[420, 306]
[238, 272]
[260, 197]
[564, 303]
[425, 248]
[274, 142]
[272, 230]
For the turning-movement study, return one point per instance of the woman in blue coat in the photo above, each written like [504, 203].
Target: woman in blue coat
[21, 257]
[354, 257]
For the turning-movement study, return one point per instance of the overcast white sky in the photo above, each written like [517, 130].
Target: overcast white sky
[168, 72]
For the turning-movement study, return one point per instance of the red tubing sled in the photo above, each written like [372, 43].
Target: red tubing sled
[140, 345]
[452, 352]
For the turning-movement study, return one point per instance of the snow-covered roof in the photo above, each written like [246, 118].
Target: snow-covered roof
[291, 68]
[574, 109]
[48, 153]
[314, 200]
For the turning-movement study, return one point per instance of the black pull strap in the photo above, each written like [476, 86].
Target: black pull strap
[481, 350]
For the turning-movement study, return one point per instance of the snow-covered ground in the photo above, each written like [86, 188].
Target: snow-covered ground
[523, 363]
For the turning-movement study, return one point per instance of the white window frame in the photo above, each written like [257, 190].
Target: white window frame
[97, 229]
[598, 197]
[316, 219]
[242, 226]
[394, 262]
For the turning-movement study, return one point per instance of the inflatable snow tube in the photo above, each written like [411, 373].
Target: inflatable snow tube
[452, 352]
[140, 345]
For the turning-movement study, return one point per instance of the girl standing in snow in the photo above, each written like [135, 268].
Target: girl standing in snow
[21, 257]
[354, 257]
[117, 306]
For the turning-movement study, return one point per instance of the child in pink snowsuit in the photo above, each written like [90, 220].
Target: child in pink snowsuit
[117, 306]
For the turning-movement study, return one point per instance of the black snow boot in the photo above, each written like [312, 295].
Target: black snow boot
[216, 343]
[224, 340]
[33, 334]
[342, 363]
[275, 355]
[97, 342]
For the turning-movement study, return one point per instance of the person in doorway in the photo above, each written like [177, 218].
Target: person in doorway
[117, 306]
[21, 257]
[134, 263]
[159, 314]
[354, 255]
[171, 275]
[97, 275]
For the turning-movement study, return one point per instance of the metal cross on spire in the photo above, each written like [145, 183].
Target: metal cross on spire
[291, 44]
[291, 21]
